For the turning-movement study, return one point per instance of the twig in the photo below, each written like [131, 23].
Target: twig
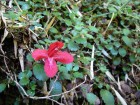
[45, 97]
[33, 32]
[23, 90]
[136, 66]
[122, 100]
[63, 92]
[53, 85]
[91, 66]
[55, 101]
[49, 26]
[109, 23]
[18, 5]
[71, 89]
[6, 64]
[10, 3]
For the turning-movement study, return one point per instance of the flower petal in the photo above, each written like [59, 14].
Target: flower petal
[54, 48]
[63, 57]
[50, 67]
[57, 44]
[39, 54]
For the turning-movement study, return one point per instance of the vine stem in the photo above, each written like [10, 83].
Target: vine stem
[13, 78]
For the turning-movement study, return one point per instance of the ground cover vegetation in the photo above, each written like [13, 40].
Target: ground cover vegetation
[99, 59]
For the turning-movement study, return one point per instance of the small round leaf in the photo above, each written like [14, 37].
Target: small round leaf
[91, 98]
[56, 87]
[73, 46]
[127, 40]
[29, 58]
[122, 52]
[38, 70]
[2, 87]
[117, 61]
[24, 81]
[107, 97]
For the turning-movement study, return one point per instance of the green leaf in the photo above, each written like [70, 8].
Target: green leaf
[138, 50]
[53, 30]
[78, 27]
[42, 42]
[12, 15]
[32, 85]
[17, 101]
[56, 87]
[100, 47]
[69, 66]
[26, 73]
[127, 40]
[112, 9]
[31, 92]
[68, 22]
[132, 58]
[56, 13]
[93, 29]
[21, 75]
[100, 85]
[78, 75]
[24, 81]
[81, 40]
[103, 68]
[126, 31]
[38, 70]
[126, 68]
[29, 58]
[122, 52]
[2, 87]
[25, 6]
[117, 61]
[85, 60]
[91, 98]
[76, 67]
[107, 97]
[89, 36]
[117, 44]
[65, 76]
[64, 73]
[74, 32]
[38, 46]
[109, 47]
[114, 52]
[73, 46]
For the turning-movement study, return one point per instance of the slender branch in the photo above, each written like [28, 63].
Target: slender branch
[109, 23]
[23, 90]
[18, 5]
[55, 101]
[63, 92]
[136, 66]
[6, 64]
[91, 65]
[53, 85]
[45, 97]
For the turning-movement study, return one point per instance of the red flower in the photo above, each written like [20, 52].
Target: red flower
[52, 55]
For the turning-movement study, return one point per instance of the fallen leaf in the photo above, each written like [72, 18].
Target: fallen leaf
[5, 35]
[126, 88]
[85, 88]
[97, 102]
[137, 94]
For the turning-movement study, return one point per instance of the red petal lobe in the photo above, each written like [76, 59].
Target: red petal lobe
[50, 67]
[39, 54]
[63, 57]
[57, 44]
